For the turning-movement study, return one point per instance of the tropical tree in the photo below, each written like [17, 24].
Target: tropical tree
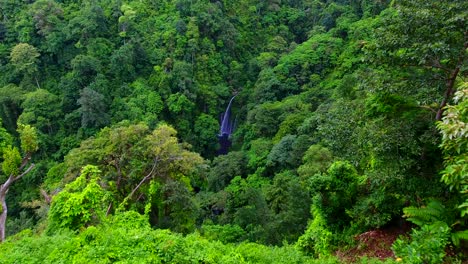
[454, 130]
[80, 204]
[436, 41]
[145, 170]
[25, 57]
[15, 167]
[41, 109]
[93, 109]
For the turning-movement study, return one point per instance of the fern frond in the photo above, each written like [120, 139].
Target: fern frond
[459, 235]
[432, 212]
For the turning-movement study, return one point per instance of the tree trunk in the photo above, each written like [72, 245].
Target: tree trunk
[4, 190]
[450, 89]
[4, 210]
[448, 93]
[3, 214]
[37, 82]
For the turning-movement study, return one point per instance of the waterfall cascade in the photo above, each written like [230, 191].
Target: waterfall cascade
[225, 129]
[226, 123]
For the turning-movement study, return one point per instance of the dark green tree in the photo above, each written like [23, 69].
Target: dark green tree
[436, 42]
[93, 109]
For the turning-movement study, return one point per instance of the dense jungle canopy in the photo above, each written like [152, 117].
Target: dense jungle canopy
[347, 126]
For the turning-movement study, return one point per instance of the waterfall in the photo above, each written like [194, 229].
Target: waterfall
[226, 123]
[225, 130]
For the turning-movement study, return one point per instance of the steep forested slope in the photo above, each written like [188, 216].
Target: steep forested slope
[335, 120]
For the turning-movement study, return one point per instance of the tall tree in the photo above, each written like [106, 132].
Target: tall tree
[133, 158]
[41, 109]
[93, 109]
[454, 130]
[25, 58]
[427, 35]
[14, 168]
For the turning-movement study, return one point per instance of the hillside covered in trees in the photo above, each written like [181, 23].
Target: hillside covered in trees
[347, 118]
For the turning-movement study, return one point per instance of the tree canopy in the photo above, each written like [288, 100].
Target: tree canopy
[349, 120]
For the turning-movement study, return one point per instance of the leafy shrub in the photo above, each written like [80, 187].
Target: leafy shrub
[224, 233]
[81, 202]
[335, 192]
[374, 210]
[128, 238]
[427, 245]
[317, 238]
[435, 212]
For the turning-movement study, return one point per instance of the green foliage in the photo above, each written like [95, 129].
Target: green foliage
[206, 128]
[179, 207]
[85, 67]
[317, 238]
[130, 158]
[287, 152]
[427, 245]
[93, 109]
[289, 202]
[387, 105]
[179, 103]
[41, 109]
[11, 161]
[258, 152]
[11, 97]
[335, 126]
[435, 38]
[5, 139]
[455, 144]
[374, 210]
[143, 104]
[334, 110]
[334, 193]
[224, 168]
[127, 237]
[80, 204]
[314, 56]
[434, 211]
[224, 233]
[25, 58]
[246, 207]
[316, 159]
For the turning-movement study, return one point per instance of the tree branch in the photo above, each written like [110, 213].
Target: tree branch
[11, 179]
[47, 197]
[144, 179]
[109, 209]
[451, 82]
[25, 161]
[24, 173]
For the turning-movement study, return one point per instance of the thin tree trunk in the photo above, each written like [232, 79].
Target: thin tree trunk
[4, 190]
[3, 215]
[450, 89]
[37, 82]
[109, 208]
[448, 93]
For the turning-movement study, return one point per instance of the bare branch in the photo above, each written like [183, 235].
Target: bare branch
[144, 179]
[47, 197]
[25, 161]
[109, 209]
[24, 173]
